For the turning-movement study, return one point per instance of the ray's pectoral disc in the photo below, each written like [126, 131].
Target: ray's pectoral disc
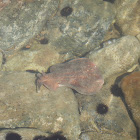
[80, 74]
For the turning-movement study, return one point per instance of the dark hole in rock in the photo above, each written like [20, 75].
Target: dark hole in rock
[111, 1]
[39, 138]
[102, 109]
[13, 136]
[116, 90]
[32, 71]
[139, 61]
[74, 91]
[66, 11]
[117, 27]
[44, 41]
[3, 57]
[56, 136]
[4, 60]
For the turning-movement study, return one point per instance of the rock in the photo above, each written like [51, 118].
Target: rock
[64, 37]
[21, 20]
[127, 16]
[111, 34]
[4, 3]
[38, 58]
[83, 29]
[117, 56]
[104, 113]
[23, 107]
[130, 86]
[103, 136]
[79, 32]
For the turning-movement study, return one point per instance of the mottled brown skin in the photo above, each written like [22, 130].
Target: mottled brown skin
[79, 74]
[47, 81]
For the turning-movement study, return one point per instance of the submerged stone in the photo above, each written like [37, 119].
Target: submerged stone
[131, 88]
